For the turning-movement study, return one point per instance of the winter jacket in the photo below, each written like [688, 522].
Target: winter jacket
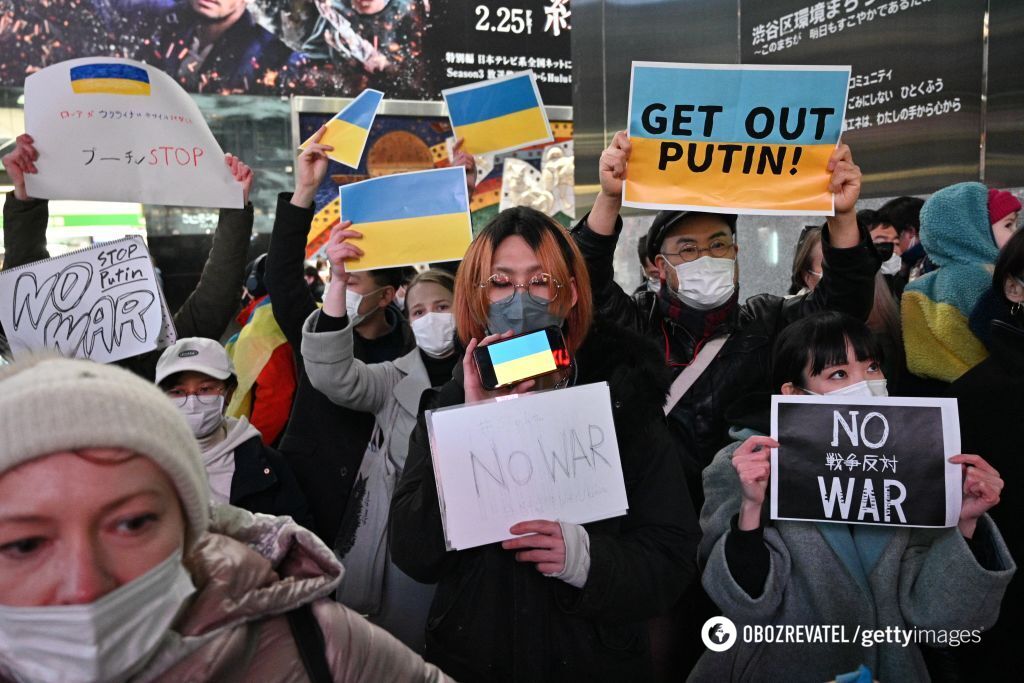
[937, 307]
[208, 309]
[496, 619]
[249, 572]
[991, 401]
[743, 364]
[391, 391]
[324, 443]
[858, 577]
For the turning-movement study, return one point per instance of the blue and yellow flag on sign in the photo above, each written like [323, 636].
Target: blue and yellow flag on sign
[500, 115]
[409, 218]
[109, 79]
[347, 132]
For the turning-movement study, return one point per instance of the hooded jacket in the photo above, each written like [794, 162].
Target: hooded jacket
[249, 572]
[496, 619]
[936, 308]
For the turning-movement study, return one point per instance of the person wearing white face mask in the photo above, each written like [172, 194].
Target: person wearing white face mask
[391, 390]
[199, 378]
[114, 567]
[785, 571]
[716, 345]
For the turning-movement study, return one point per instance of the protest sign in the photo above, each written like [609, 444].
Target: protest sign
[880, 461]
[102, 303]
[498, 115]
[551, 455]
[409, 218]
[118, 130]
[348, 130]
[734, 139]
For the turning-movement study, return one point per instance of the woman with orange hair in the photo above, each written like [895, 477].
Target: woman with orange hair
[560, 601]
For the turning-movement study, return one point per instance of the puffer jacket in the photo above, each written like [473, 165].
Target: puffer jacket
[937, 307]
[496, 619]
[251, 570]
[743, 365]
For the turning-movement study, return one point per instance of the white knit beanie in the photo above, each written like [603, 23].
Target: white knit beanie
[49, 405]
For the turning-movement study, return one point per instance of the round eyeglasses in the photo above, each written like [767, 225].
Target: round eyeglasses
[542, 288]
[691, 252]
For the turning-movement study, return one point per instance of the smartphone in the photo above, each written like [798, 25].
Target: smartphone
[523, 357]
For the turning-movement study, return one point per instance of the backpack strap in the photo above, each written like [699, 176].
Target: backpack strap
[310, 641]
[693, 371]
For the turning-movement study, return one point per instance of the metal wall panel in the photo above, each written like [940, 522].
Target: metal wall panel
[1004, 122]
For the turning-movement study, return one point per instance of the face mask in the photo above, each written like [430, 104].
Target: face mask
[352, 302]
[707, 282]
[863, 389]
[106, 640]
[892, 265]
[435, 334]
[654, 284]
[400, 302]
[203, 418]
[520, 314]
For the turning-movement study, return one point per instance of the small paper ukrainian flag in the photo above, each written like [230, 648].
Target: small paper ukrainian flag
[500, 115]
[109, 79]
[525, 356]
[347, 132]
[409, 218]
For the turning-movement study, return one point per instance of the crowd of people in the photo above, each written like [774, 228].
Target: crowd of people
[268, 509]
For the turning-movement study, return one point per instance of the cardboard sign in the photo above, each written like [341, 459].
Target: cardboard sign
[734, 139]
[348, 130]
[551, 455]
[102, 303]
[498, 115]
[880, 461]
[409, 218]
[118, 130]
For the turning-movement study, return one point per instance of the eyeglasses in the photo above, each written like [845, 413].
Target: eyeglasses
[691, 252]
[204, 395]
[542, 288]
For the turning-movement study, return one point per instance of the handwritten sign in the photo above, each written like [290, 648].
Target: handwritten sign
[102, 303]
[734, 139]
[866, 461]
[551, 455]
[119, 130]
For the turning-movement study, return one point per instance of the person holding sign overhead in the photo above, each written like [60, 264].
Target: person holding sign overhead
[860, 577]
[560, 601]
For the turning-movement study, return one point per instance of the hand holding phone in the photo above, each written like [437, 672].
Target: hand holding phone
[471, 383]
[511, 360]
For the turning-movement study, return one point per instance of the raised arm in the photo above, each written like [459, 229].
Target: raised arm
[25, 218]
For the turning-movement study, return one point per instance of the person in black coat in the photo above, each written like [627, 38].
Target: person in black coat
[561, 601]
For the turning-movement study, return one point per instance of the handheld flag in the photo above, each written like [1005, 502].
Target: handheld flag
[499, 115]
[409, 218]
[348, 130]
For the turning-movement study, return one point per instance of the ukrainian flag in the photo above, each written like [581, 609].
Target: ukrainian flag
[525, 356]
[409, 218]
[110, 79]
[347, 132]
[499, 115]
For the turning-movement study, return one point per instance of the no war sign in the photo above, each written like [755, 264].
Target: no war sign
[866, 461]
[751, 139]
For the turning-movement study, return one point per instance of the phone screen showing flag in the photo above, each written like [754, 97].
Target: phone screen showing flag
[527, 356]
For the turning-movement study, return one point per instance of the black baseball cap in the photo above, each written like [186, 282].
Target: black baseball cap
[666, 220]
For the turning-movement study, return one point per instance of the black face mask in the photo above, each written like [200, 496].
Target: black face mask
[884, 250]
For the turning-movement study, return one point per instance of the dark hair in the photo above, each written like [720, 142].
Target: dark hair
[869, 219]
[902, 213]
[1010, 263]
[820, 339]
[311, 271]
[809, 238]
[388, 277]
[641, 251]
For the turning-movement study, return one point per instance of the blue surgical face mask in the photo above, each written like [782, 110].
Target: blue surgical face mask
[520, 314]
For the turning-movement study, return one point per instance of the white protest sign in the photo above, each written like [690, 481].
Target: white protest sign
[102, 303]
[866, 460]
[118, 130]
[551, 455]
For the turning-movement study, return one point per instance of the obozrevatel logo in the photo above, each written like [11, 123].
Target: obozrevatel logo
[718, 634]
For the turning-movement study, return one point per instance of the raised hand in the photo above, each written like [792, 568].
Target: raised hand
[310, 169]
[242, 173]
[982, 488]
[474, 389]
[752, 462]
[19, 161]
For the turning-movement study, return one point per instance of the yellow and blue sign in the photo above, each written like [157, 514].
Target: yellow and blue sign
[409, 218]
[348, 130]
[751, 139]
[498, 115]
[522, 357]
[110, 79]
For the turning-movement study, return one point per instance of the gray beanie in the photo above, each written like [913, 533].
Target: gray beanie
[48, 405]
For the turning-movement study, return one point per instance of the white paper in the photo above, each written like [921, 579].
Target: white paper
[155, 149]
[102, 303]
[551, 455]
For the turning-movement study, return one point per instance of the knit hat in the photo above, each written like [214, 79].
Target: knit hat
[666, 220]
[1001, 204]
[49, 405]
